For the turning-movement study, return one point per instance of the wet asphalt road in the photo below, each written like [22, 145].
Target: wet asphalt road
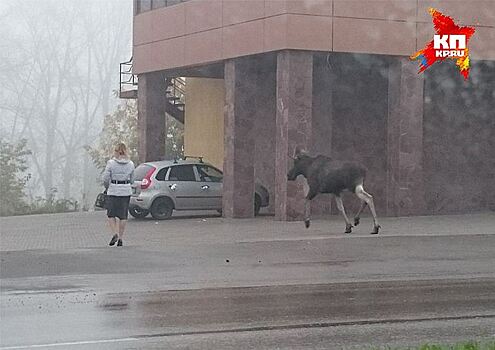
[248, 284]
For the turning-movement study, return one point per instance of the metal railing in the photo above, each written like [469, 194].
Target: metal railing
[128, 81]
[176, 90]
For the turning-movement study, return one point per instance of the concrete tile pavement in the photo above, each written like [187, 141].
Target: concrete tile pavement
[87, 230]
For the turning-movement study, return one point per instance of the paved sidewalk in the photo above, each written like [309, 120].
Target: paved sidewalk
[86, 230]
[204, 252]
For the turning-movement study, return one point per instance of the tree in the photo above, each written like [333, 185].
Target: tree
[12, 177]
[59, 64]
[122, 126]
[174, 143]
[118, 126]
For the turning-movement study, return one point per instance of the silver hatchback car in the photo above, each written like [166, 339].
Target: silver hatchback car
[161, 187]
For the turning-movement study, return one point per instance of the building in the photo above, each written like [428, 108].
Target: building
[332, 76]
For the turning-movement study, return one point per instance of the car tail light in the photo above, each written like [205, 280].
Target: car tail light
[146, 181]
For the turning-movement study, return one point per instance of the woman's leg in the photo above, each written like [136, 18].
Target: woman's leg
[112, 223]
[112, 220]
[122, 224]
[123, 212]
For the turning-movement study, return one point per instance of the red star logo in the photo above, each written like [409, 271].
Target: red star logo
[436, 50]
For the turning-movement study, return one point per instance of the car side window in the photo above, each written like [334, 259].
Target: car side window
[162, 174]
[209, 174]
[182, 173]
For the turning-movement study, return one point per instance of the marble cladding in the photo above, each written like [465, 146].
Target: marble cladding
[405, 187]
[359, 125]
[293, 125]
[459, 139]
[252, 118]
[323, 84]
[264, 163]
[151, 117]
[239, 153]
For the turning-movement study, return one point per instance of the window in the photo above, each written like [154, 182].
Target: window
[173, 2]
[141, 171]
[143, 5]
[182, 173]
[209, 174]
[147, 5]
[156, 4]
[161, 174]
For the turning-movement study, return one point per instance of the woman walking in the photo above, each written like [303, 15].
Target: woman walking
[117, 178]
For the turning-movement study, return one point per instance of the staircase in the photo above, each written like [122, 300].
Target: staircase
[175, 89]
[175, 95]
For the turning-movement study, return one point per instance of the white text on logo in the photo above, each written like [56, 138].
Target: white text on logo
[449, 45]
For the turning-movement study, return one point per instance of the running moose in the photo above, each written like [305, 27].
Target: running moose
[326, 175]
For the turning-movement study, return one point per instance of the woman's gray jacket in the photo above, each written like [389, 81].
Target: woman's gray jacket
[118, 170]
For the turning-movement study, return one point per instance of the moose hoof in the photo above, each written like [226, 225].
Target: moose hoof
[307, 223]
[356, 221]
[375, 230]
[348, 228]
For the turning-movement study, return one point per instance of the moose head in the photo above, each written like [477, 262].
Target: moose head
[300, 164]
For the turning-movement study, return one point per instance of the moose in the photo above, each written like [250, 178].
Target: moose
[326, 175]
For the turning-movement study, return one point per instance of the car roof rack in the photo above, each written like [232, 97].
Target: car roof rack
[195, 157]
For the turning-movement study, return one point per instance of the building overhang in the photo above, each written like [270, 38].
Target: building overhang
[199, 32]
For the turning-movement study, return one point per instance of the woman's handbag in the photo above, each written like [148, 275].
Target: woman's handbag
[101, 200]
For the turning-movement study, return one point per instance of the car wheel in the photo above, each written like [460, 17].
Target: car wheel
[138, 212]
[162, 209]
[257, 205]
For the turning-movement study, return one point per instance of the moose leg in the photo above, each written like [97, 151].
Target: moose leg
[307, 218]
[358, 214]
[368, 198]
[340, 206]
[310, 194]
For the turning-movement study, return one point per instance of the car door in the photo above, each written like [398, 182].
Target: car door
[210, 180]
[184, 187]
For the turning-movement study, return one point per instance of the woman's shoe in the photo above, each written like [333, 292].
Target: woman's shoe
[119, 243]
[113, 240]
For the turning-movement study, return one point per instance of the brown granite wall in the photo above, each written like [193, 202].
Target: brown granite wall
[293, 126]
[359, 129]
[459, 139]
[240, 118]
[323, 86]
[151, 117]
[264, 135]
[405, 188]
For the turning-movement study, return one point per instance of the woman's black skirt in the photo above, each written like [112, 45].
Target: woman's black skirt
[117, 206]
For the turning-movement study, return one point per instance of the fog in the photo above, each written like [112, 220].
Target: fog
[59, 69]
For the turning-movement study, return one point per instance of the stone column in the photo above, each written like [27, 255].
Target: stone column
[405, 188]
[293, 128]
[151, 116]
[239, 113]
[264, 134]
[323, 83]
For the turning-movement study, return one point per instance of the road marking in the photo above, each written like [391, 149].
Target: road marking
[37, 346]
